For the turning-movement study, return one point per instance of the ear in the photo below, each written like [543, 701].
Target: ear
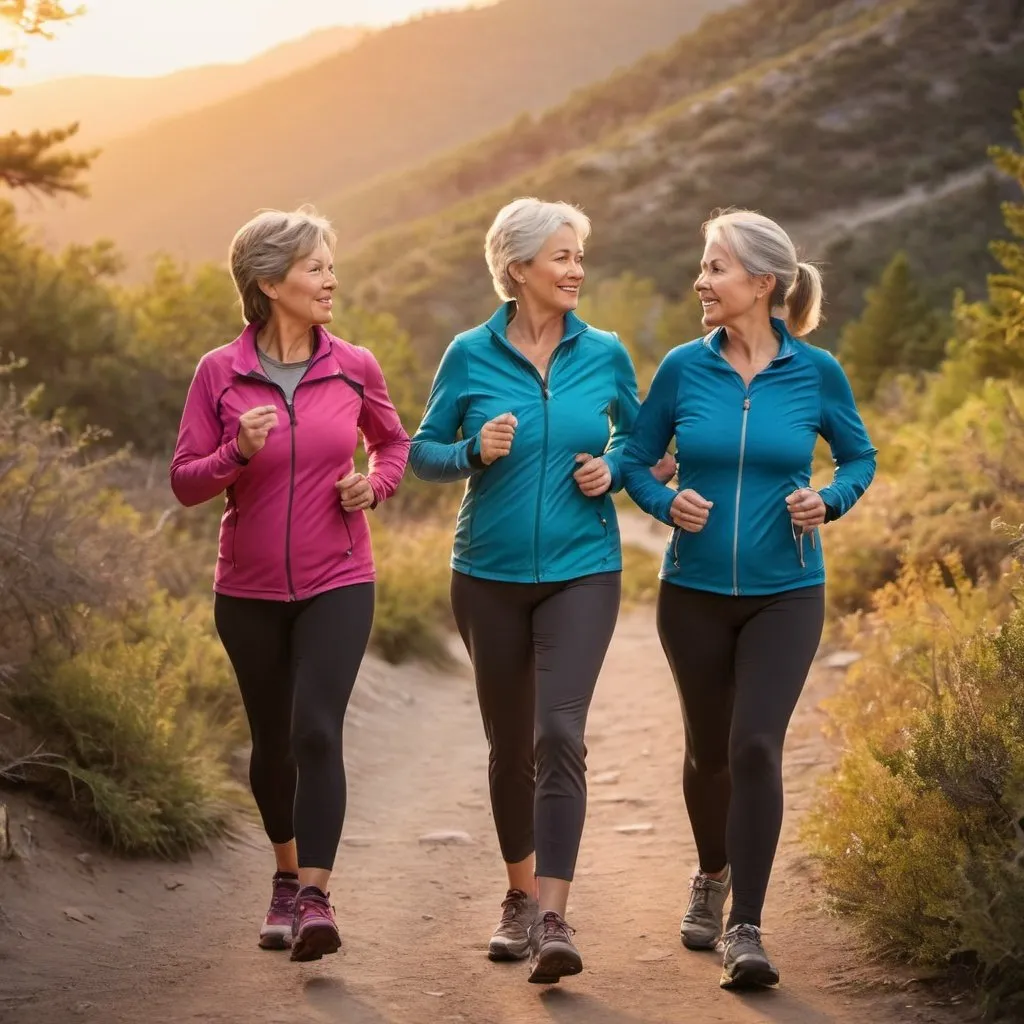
[765, 285]
[515, 271]
[268, 288]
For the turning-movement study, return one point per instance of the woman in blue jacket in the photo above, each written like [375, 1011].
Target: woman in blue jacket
[741, 605]
[532, 409]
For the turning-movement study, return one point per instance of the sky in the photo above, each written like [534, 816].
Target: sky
[154, 37]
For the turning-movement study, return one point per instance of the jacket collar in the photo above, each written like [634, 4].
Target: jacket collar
[246, 361]
[787, 343]
[498, 324]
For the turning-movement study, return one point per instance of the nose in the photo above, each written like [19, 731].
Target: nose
[699, 284]
[331, 281]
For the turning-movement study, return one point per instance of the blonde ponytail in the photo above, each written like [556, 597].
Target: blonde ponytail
[803, 300]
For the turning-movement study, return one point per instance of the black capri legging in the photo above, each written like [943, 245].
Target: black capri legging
[740, 664]
[296, 663]
[537, 649]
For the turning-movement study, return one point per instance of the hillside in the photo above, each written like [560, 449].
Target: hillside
[401, 96]
[854, 137]
[106, 106]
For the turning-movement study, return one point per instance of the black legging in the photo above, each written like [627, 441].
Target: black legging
[537, 649]
[740, 664]
[296, 663]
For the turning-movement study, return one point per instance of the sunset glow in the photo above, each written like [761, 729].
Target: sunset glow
[154, 37]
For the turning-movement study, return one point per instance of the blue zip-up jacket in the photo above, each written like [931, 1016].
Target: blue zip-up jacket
[745, 449]
[523, 518]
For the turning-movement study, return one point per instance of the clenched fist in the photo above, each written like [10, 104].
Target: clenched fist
[253, 427]
[593, 477]
[806, 509]
[355, 492]
[496, 437]
[690, 511]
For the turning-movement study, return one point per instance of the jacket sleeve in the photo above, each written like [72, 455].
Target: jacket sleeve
[387, 443]
[623, 414]
[437, 454]
[654, 428]
[843, 428]
[202, 467]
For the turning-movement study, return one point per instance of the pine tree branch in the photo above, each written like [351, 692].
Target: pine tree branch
[34, 162]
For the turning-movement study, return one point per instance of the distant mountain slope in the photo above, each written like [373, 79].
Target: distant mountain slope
[870, 111]
[107, 107]
[399, 97]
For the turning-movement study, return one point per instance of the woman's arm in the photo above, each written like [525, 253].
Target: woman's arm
[623, 414]
[387, 443]
[202, 467]
[436, 454]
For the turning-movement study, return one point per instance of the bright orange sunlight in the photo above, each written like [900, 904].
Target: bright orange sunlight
[154, 37]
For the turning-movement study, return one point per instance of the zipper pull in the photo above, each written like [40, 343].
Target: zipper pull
[746, 404]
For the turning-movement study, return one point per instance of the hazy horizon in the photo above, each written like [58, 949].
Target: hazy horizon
[164, 36]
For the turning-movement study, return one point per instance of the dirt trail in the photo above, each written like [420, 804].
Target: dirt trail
[177, 943]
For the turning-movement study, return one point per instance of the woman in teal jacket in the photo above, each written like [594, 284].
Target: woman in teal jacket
[532, 409]
[741, 605]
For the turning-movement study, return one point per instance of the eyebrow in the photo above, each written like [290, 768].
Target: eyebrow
[558, 252]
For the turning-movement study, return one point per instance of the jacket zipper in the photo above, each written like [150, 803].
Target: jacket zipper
[739, 490]
[675, 547]
[545, 395]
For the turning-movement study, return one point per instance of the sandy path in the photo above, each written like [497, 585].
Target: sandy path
[177, 943]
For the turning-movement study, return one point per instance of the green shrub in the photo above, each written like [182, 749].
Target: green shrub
[135, 713]
[919, 831]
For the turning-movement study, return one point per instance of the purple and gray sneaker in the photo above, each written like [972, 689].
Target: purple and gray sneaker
[276, 931]
[314, 933]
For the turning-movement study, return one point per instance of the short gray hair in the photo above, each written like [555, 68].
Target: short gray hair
[762, 247]
[267, 247]
[520, 231]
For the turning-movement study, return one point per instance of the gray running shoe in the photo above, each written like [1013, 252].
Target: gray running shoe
[554, 954]
[745, 963]
[511, 939]
[701, 927]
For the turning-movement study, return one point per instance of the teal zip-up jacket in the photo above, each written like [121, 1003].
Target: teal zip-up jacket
[523, 518]
[745, 449]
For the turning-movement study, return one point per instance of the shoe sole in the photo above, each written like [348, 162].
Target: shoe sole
[276, 939]
[752, 976]
[504, 952]
[316, 942]
[699, 945]
[550, 967]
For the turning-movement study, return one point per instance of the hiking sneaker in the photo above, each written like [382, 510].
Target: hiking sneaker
[745, 963]
[276, 930]
[701, 927]
[554, 955]
[511, 939]
[314, 933]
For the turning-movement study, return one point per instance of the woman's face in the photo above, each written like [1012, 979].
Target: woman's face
[552, 279]
[727, 292]
[306, 293]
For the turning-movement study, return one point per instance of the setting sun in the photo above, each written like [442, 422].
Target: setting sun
[126, 37]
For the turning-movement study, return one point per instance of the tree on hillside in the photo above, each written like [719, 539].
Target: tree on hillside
[37, 162]
[898, 331]
[991, 333]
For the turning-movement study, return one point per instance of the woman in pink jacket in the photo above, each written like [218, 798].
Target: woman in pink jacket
[272, 421]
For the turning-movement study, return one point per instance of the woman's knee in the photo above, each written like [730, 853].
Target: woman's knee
[559, 746]
[315, 741]
[755, 756]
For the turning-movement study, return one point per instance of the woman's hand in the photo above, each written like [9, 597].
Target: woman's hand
[593, 477]
[253, 428]
[806, 509]
[355, 492]
[664, 469]
[496, 437]
[690, 511]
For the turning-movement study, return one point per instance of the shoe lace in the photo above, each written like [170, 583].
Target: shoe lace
[745, 933]
[282, 899]
[700, 891]
[554, 926]
[512, 904]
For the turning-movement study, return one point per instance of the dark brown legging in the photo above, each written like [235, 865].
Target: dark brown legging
[537, 649]
[740, 664]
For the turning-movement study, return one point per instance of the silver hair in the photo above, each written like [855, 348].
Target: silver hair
[762, 247]
[519, 232]
[266, 248]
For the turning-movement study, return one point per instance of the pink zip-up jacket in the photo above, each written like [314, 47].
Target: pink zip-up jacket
[284, 535]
